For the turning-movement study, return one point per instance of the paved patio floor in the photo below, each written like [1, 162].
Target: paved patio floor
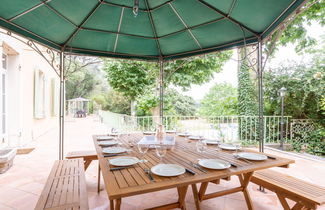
[21, 186]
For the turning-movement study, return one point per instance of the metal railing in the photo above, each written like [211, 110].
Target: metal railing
[229, 128]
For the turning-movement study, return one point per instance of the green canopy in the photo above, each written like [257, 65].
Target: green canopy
[163, 29]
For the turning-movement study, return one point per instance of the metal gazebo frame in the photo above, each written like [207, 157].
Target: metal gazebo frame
[54, 49]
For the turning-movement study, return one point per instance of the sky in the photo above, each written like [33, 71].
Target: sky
[229, 72]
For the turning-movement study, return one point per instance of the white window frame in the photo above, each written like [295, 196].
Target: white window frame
[4, 72]
[39, 95]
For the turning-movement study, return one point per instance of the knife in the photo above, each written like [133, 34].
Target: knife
[190, 171]
[119, 168]
[233, 165]
[270, 157]
[112, 155]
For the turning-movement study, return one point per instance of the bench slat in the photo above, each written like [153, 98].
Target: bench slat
[292, 187]
[65, 187]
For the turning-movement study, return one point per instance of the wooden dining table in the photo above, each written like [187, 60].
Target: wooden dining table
[135, 181]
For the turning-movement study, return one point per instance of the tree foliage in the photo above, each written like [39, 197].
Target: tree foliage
[174, 103]
[247, 94]
[197, 70]
[294, 31]
[305, 86]
[133, 78]
[113, 101]
[80, 74]
[221, 100]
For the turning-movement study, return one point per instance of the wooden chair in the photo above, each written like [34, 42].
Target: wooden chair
[88, 156]
[305, 194]
[65, 187]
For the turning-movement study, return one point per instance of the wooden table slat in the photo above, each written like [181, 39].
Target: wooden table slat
[134, 181]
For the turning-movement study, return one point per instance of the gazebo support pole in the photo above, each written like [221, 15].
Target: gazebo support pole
[260, 96]
[61, 107]
[161, 92]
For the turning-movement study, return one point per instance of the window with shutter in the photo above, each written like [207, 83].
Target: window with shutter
[54, 97]
[39, 94]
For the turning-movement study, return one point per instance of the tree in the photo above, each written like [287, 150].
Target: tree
[136, 78]
[293, 30]
[116, 102]
[195, 70]
[174, 103]
[81, 76]
[181, 104]
[131, 78]
[221, 100]
[305, 88]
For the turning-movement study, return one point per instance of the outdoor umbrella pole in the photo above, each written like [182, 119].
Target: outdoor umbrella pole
[161, 92]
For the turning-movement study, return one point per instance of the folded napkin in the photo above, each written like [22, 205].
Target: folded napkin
[168, 140]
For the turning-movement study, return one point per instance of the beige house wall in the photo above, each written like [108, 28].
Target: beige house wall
[22, 125]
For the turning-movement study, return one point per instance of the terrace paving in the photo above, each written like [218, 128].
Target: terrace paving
[21, 186]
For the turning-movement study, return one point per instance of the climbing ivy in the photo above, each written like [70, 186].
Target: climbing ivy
[247, 97]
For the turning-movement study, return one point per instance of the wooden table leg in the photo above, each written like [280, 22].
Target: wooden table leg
[87, 163]
[283, 202]
[98, 181]
[181, 197]
[111, 204]
[244, 181]
[298, 206]
[118, 204]
[203, 188]
[196, 196]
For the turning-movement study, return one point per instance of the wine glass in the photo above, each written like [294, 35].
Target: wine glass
[201, 146]
[161, 151]
[237, 145]
[143, 149]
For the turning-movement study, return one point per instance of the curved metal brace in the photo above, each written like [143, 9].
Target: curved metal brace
[51, 56]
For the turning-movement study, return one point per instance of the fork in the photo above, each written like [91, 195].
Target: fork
[198, 167]
[148, 172]
[243, 159]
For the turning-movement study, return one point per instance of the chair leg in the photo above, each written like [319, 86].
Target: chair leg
[98, 182]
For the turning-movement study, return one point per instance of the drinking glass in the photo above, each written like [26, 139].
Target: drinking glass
[237, 144]
[201, 146]
[143, 149]
[161, 151]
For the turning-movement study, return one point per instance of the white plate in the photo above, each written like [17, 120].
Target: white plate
[124, 161]
[101, 138]
[113, 150]
[214, 164]
[149, 132]
[171, 131]
[252, 156]
[183, 134]
[211, 142]
[195, 137]
[108, 143]
[168, 170]
[227, 147]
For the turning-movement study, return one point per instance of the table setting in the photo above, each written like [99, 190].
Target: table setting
[141, 163]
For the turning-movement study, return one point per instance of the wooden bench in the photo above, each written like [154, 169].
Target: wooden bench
[305, 194]
[65, 187]
[88, 156]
